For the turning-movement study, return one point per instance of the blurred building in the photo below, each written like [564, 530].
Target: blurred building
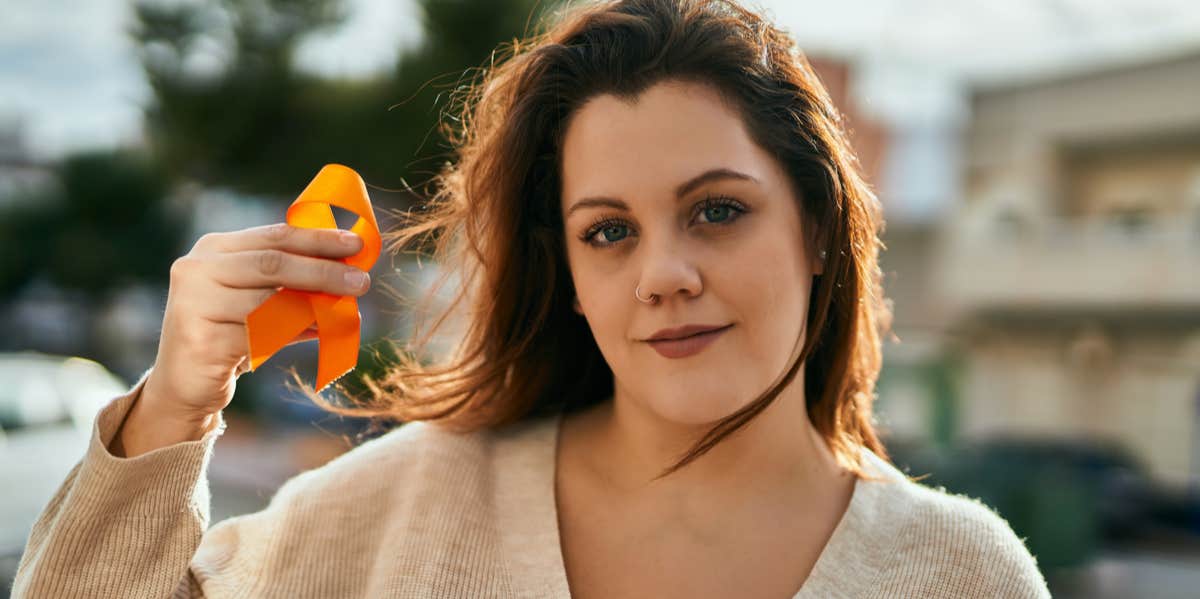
[868, 136]
[910, 161]
[1069, 276]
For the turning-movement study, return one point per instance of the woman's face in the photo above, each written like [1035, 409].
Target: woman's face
[670, 194]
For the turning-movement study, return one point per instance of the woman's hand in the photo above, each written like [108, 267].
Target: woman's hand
[203, 347]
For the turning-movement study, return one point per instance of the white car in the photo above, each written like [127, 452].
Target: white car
[47, 406]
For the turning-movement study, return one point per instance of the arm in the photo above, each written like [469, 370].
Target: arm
[119, 526]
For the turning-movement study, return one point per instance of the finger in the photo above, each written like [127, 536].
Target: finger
[227, 340]
[243, 367]
[258, 269]
[232, 306]
[228, 305]
[329, 243]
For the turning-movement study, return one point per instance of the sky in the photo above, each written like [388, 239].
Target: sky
[69, 78]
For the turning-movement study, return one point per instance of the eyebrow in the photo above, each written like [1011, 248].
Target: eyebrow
[683, 189]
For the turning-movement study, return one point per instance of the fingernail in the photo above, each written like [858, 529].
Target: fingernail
[355, 279]
[348, 238]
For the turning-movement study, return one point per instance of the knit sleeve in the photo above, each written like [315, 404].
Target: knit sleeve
[122, 527]
[969, 550]
[1013, 571]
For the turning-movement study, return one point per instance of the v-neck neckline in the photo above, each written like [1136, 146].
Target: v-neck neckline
[528, 510]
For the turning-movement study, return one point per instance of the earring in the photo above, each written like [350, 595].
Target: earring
[823, 254]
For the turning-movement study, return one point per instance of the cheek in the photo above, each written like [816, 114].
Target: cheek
[601, 299]
[769, 285]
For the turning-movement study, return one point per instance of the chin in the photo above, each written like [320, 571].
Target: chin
[695, 405]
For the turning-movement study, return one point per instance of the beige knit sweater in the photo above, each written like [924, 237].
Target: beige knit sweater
[423, 512]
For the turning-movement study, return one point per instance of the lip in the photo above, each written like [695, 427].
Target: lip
[683, 331]
[689, 345]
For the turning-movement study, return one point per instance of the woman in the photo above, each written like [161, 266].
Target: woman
[664, 387]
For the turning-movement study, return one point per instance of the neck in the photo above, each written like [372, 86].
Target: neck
[778, 455]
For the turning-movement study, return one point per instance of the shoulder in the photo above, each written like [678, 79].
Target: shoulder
[956, 543]
[423, 458]
[414, 453]
[418, 494]
[962, 535]
[417, 482]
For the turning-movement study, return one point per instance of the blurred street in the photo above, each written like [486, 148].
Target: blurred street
[1038, 163]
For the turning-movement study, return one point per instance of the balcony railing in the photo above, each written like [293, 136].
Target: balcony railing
[1113, 263]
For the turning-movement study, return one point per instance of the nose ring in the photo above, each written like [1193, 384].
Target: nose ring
[637, 292]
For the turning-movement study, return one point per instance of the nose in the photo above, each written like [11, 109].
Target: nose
[667, 271]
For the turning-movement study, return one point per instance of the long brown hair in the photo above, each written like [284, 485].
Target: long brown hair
[493, 220]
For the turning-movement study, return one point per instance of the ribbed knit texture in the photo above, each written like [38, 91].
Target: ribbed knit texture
[423, 512]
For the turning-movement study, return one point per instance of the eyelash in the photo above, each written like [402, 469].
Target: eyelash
[712, 201]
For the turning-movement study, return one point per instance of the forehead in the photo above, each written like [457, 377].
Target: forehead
[669, 133]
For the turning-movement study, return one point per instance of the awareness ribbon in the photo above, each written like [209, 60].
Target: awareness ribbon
[288, 313]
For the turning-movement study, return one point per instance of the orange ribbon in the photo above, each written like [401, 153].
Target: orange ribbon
[288, 313]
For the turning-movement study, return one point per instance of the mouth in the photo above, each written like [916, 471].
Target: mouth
[689, 345]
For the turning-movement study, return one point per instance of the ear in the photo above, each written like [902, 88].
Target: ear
[817, 253]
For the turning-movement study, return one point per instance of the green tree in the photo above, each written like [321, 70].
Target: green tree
[259, 125]
[233, 126]
[104, 225]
